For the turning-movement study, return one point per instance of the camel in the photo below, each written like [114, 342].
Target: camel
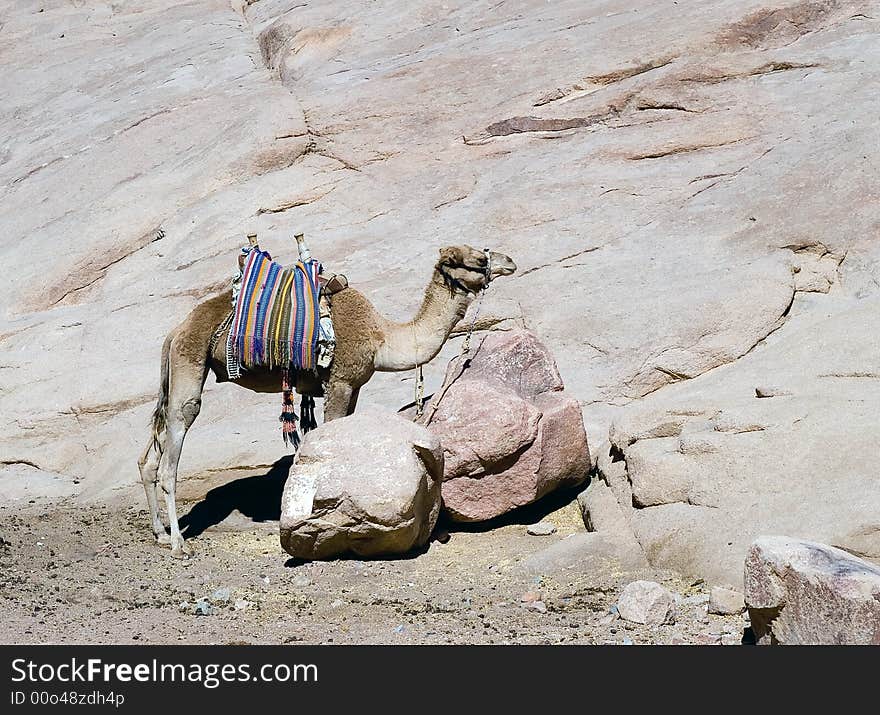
[366, 343]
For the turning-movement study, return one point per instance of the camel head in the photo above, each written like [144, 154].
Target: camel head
[470, 269]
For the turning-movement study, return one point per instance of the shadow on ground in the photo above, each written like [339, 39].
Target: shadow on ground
[257, 497]
[524, 515]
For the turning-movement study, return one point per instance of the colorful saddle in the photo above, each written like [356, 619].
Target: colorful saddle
[276, 317]
[276, 324]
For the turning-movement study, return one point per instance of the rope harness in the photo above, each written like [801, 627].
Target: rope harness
[307, 417]
[462, 355]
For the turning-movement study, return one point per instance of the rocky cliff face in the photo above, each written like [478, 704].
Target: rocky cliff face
[690, 191]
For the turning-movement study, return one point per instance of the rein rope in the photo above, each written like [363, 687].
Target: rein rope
[462, 359]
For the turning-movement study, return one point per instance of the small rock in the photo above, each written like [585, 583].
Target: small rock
[221, 595]
[399, 629]
[530, 597]
[542, 528]
[726, 602]
[203, 608]
[538, 606]
[241, 605]
[627, 641]
[183, 606]
[302, 581]
[647, 603]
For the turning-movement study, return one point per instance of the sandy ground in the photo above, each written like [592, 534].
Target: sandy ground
[70, 574]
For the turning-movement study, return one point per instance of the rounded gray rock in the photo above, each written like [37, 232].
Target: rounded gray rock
[367, 484]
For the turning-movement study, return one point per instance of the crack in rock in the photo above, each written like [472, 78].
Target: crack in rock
[525, 125]
[96, 273]
[294, 203]
[25, 462]
[560, 260]
[685, 149]
[718, 76]
[603, 80]
[724, 177]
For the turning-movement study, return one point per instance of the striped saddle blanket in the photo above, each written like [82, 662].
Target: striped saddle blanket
[276, 316]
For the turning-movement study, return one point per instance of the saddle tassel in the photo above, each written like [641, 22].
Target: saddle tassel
[288, 416]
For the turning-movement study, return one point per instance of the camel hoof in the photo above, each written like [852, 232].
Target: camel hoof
[181, 552]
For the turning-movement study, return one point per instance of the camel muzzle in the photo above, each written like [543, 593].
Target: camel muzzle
[498, 265]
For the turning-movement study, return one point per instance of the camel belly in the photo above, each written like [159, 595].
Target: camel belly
[257, 381]
[269, 381]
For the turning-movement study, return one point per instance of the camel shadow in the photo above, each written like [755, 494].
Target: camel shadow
[257, 497]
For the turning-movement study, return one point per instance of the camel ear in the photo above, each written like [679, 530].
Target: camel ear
[450, 254]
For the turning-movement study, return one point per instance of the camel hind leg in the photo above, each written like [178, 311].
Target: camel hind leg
[186, 380]
[149, 467]
[148, 464]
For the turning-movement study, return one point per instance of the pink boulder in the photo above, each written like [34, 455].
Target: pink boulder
[509, 433]
[805, 593]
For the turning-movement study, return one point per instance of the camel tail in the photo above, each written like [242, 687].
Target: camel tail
[161, 411]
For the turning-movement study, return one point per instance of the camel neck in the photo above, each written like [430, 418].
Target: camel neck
[407, 345]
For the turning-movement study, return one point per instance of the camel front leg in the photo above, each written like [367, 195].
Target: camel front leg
[353, 400]
[337, 400]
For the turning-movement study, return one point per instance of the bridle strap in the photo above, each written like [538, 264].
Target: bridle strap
[458, 285]
[453, 282]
